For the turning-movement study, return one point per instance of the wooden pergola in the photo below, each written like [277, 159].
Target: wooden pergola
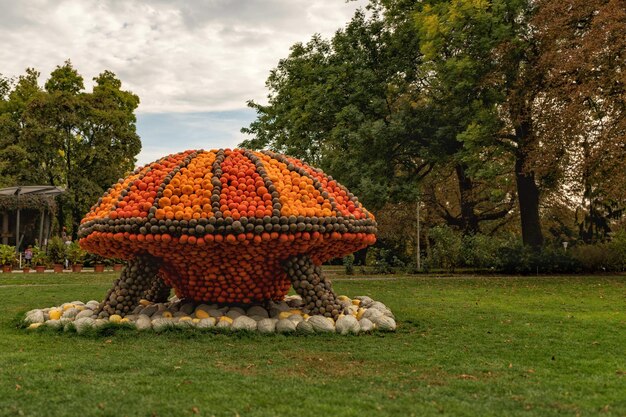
[20, 197]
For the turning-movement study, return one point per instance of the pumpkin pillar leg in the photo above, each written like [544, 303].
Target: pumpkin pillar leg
[158, 292]
[315, 289]
[140, 279]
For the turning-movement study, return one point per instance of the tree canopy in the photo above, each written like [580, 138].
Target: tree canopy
[520, 100]
[59, 134]
[343, 105]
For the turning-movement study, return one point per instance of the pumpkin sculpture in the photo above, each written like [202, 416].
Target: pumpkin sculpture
[225, 226]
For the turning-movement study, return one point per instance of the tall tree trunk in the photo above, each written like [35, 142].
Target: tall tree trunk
[586, 233]
[469, 219]
[360, 257]
[527, 190]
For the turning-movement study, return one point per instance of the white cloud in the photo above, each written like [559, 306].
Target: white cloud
[166, 133]
[178, 56]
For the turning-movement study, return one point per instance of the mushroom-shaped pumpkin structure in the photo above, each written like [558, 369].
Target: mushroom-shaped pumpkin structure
[225, 226]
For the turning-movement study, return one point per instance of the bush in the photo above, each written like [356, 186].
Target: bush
[617, 248]
[481, 251]
[602, 257]
[91, 259]
[348, 262]
[554, 259]
[591, 258]
[446, 248]
[39, 257]
[75, 254]
[383, 260]
[515, 258]
[7, 255]
[377, 258]
[506, 254]
[56, 250]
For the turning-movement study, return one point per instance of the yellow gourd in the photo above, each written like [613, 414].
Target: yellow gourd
[201, 314]
[284, 315]
[55, 314]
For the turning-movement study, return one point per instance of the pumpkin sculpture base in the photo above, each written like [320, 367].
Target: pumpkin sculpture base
[359, 315]
[139, 280]
[315, 289]
[142, 280]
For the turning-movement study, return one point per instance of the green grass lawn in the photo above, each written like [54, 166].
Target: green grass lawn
[481, 346]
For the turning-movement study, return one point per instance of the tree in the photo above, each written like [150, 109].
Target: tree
[64, 136]
[560, 69]
[343, 105]
[497, 93]
[15, 95]
[583, 57]
[361, 107]
[488, 44]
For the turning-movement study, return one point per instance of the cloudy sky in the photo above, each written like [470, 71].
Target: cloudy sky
[193, 63]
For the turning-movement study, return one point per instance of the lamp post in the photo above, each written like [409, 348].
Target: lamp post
[17, 221]
[418, 255]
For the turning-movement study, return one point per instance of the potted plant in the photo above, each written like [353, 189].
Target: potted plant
[117, 265]
[56, 252]
[95, 260]
[7, 257]
[40, 259]
[75, 255]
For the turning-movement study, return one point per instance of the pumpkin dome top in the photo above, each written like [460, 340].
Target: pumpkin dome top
[230, 193]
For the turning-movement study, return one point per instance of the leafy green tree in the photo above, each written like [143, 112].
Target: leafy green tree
[361, 106]
[518, 98]
[14, 164]
[559, 70]
[487, 47]
[345, 105]
[65, 136]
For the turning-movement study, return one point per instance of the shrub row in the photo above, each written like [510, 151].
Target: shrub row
[508, 255]
[449, 251]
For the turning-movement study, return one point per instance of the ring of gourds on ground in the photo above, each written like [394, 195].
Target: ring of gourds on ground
[230, 231]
